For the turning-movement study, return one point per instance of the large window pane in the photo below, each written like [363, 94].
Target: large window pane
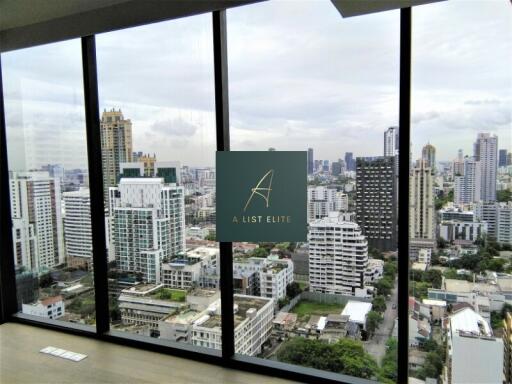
[302, 78]
[158, 149]
[460, 181]
[50, 202]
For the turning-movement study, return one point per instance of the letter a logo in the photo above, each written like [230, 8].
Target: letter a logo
[261, 190]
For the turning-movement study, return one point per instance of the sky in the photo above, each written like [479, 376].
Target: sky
[299, 76]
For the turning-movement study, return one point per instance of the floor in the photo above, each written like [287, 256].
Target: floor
[21, 362]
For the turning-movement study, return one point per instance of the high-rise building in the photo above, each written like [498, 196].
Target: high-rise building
[509, 158]
[311, 161]
[320, 202]
[499, 220]
[37, 220]
[335, 168]
[350, 163]
[428, 154]
[77, 228]
[467, 186]
[391, 141]
[422, 214]
[502, 160]
[148, 224]
[116, 146]
[486, 151]
[147, 160]
[338, 256]
[458, 165]
[376, 201]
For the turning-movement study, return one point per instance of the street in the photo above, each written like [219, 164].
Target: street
[376, 346]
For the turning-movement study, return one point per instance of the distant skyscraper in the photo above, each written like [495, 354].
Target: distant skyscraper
[502, 162]
[486, 151]
[376, 201]
[467, 186]
[325, 166]
[148, 224]
[77, 228]
[311, 161]
[350, 162]
[37, 220]
[428, 154]
[116, 146]
[338, 255]
[421, 210]
[336, 168]
[391, 141]
[458, 164]
[321, 201]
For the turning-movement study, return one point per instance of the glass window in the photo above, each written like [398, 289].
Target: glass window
[50, 204]
[158, 141]
[303, 78]
[460, 191]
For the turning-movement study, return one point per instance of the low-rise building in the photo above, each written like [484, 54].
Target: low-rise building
[469, 231]
[470, 339]
[49, 308]
[357, 312]
[147, 304]
[374, 271]
[192, 269]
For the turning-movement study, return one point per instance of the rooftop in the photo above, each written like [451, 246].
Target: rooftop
[357, 311]
[468, 321]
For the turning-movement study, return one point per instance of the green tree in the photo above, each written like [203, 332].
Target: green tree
[293, 289]
[211, 236]
[379, 304]
[434, 277]
[504, 195]
[384, 286]
[260, 252]
[389, 364]
[345, 356]
[373, 319]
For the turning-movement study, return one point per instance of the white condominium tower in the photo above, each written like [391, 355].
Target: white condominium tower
[77, 228]
[37, 220]
[322, 200]
[147, 224]
[486, 152]
[338, 255]
[428, 155]
[467, 183]
[116, 146]
[391, 141]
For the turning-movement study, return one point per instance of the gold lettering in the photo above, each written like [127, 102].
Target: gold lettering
[235, 220]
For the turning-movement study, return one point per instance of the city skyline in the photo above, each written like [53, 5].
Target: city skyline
[359, 100]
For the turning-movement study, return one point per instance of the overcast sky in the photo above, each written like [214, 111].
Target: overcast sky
[300, 76]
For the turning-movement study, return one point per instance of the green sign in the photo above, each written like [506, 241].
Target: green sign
[261, 196]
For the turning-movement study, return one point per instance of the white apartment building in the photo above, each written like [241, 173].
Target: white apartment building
[374, 271]
[147, 224]
[486, 151]
[470, 338]
[321, 201]
[462, 230]
[77, 227]
[498, 217]
[467, 186]
[275, 275]
[189, 270]
[425, 256]
[37, 220]
[338, 256]
[49, 308]
[253, 325]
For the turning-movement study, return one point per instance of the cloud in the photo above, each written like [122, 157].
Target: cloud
[175, 127]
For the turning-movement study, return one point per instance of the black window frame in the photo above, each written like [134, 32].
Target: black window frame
[226, 357]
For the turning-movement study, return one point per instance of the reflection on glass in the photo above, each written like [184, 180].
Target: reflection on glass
[460, 183]
[158, 147]
[50, 202]
[330, 302]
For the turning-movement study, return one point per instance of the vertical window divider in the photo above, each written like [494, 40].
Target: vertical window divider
[8, 299]
[94, 158]
[220, 60]
[403, 193]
